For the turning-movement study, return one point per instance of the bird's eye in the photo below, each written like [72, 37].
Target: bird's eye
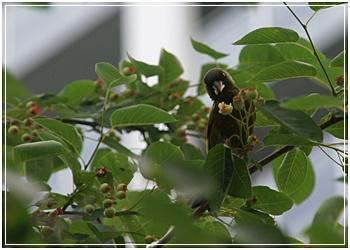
[223, 74]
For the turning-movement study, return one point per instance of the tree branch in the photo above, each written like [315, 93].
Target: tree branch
[285, 149]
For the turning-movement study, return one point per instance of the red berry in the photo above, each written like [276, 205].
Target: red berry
[31, 104]
[26, 138]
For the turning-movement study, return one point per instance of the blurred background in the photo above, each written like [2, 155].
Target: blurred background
[48, 47]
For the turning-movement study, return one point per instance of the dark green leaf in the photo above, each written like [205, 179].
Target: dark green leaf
[205, 49]
[338, 130]
[316, 6]
[191, 152]
[39, 169]
[268, 35]
[35, 150]
[281, 137]
[141, 114]
[146, 69]
[338, 61]
[313, 101]
[271, 201]
[118, 165]
[66, 132]
[293, 120]
[114, 143]
[219, 167]
[241, 185]
[15, 91]
[284, 70]
[263, 121]
[260, 55]
[265, 91]
[246, 215]
[76, 91]
[172, 68]
[111, 75]
[325, 228]
[293, 171]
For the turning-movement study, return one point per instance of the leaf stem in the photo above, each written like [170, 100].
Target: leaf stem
[313, 47]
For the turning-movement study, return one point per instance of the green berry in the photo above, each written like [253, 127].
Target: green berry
[89, 208]
[121, 195]
[28, 122]
[149, 239]
[105, 188]
[26, 137]
[108, 203]
[122, 187]
[109, 212]
[13, 130]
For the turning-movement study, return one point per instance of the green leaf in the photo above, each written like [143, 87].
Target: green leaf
[246, 215]
[271, 201]
[281, 137]
[36, 150]
[324, 228]
[191, 152]
[138, 115]
[205, 49]
[268, 35]
[265, 91]
[292, 173]
[118, 165]
[76, 91]
[296, 52]
[146, 69]
[293, 120]
[68, 133]
[313, 101]
[241, 185]
[338, 61]
[316, 6]
[260, 55]
[219, 168]
[172, 68]
[190, 107]
[284, 70]
[15, 91]
[39, 169]
[113, 143]
[338, 130]
[263, 121]
[111, 75]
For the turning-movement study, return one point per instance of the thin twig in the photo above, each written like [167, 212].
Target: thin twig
[330, 157]
[313, 47]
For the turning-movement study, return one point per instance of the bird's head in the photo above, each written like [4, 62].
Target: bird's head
[219, 83]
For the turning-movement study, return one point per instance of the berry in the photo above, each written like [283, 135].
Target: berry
[28, 122]
[89, 208]
[175, 96]
[121, 195]
[340, 80]
[109, 212]
[149, 239]
[99, 82]
[129, 71]
[102, 171]
[35, 133]
[122, 187]
[107, 203]
[13, 130]
[114, 96]
[14, 122]
[26, 137]
[33, 111]
[105, 188]
[46, 231]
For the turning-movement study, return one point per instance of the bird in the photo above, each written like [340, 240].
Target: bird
[232, 116]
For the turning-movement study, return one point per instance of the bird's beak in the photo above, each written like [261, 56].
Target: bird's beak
[218, 87]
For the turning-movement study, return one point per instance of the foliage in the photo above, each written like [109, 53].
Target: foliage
[46, 133]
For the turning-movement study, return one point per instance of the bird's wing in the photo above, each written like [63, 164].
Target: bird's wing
[213, 132]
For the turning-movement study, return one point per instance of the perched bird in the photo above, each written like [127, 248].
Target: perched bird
[232, 117]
